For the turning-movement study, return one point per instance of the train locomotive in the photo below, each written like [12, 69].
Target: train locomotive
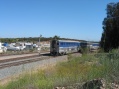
[61, 47]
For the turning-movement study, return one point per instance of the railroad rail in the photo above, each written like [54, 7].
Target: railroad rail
[8, 61]
[10, 57]
[23, 59]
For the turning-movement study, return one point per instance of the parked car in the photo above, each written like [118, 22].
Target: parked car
[13, 48]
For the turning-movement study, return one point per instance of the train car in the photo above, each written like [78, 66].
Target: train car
[61, 47]
[85, 44]
[95, 46]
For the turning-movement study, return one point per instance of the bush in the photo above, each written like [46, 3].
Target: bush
[85, 50]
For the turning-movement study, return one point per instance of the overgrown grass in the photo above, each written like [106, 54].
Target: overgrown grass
[76, 69]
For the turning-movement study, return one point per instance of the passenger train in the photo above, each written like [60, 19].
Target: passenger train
[95, 46]
[61, 47]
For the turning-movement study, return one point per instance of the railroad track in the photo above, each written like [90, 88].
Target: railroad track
[14, 62]
[17, 66]
[23, 60]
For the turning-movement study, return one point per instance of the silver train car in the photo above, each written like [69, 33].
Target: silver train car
[61, 47]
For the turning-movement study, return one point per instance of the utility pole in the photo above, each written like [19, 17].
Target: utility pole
[39, 45]
[40, 38]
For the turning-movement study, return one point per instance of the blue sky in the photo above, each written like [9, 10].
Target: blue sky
[77, 19]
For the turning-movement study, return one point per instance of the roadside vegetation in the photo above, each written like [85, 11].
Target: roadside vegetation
[75, 70]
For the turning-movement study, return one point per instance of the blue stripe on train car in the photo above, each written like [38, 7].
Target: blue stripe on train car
[95, 44]
[68, 44]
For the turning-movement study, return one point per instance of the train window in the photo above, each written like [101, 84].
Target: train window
[64, 43]
[61, 43]
[67, 44]
[71, 43]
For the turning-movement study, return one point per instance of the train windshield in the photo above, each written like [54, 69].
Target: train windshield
[53, 43]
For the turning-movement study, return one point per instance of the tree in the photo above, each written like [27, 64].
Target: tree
[56, 37]
[110, 35]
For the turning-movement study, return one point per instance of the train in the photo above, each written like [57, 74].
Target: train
[61, 47]
[95, 46]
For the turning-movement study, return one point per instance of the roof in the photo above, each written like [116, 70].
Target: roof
[67, 41]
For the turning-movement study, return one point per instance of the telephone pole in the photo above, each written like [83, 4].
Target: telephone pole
[40, 38]
[39, 45]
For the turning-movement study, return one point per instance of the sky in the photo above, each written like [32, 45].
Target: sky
[76, 19]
